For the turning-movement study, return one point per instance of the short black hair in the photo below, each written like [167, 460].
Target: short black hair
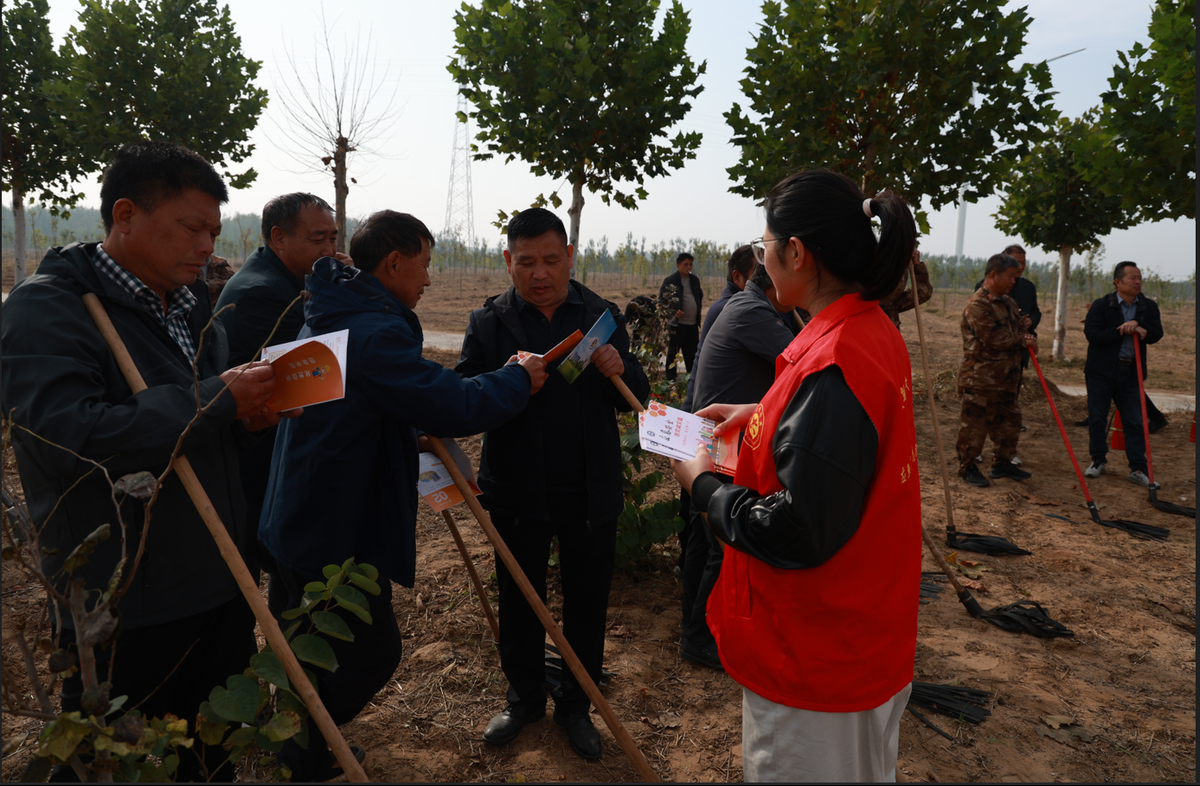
[1013, 249]
[149, 173]
[741, 261]
[534, 222]
[284, 212]
[683, 256]
[760, 278]
[998, 263]
[384, 232]
[1119, 270]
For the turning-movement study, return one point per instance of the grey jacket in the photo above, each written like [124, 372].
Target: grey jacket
[61, 382]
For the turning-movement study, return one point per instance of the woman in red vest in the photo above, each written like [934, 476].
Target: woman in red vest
[815, 611]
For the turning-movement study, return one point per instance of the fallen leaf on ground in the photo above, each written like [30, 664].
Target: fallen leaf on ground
[1065, 735]
[1055, 721]
[668, 720]
[975, 585]
[970, 563]
[1039, 501]
[619, 630]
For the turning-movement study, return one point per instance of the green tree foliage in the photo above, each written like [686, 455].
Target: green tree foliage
[881, 90]
[1145, 147]
[581, 90]
[1051, 204]
[168, 70]
[38, 150]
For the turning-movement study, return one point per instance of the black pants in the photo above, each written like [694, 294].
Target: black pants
[683, 339]
[172, 668]
[364, 666]
[1121, 389]
[587, 553]
[700, 571]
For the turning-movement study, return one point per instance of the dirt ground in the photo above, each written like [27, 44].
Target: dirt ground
[1127, 679]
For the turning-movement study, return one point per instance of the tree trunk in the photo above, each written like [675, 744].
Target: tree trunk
[1060, 310]
[340, 190]
[576, 209]
[19, 239]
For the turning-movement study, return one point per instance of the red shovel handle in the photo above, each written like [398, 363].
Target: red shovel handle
[1061, 429]
[1137, 362]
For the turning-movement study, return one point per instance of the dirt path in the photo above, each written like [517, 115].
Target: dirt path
[1127, 679]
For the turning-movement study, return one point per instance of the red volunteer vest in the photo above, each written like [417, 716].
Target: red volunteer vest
[840, 637]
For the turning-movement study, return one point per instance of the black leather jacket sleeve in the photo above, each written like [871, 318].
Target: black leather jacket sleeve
[825, 448]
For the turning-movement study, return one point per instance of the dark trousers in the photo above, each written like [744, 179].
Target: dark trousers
[364, 666]
[587, 553]
[1121, 389]
[685, 513]
[683, 339]
[700, 571]
[171, 668]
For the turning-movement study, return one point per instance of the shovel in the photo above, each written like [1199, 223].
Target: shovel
[1024, 616]
[1165, 507]
[1134, 528]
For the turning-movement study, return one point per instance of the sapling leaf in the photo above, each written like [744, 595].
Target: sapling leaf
[281, 726]
[331, 624]
[79, 555]
[370, 571]
[353, 601]
[315, 650]
[267, 666]
[137, 484]
[361, 581]
[329, 570]
[239, 702]
[314, 586]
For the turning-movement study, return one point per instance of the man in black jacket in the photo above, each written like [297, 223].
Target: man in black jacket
[554, 470]
[184, 627]
[1113, 323]
[688, 299]
[297, 230]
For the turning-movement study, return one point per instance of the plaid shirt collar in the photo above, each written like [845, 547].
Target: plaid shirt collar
[180, 302]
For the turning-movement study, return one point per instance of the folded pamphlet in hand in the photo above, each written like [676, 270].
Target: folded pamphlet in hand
[308, 371]
[676, 434]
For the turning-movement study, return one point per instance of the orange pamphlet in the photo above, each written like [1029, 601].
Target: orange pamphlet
[562, 348]
[308, 371]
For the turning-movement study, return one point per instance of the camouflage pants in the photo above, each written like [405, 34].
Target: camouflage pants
[988, 413]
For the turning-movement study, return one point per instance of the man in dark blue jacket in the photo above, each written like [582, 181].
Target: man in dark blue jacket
[1113, 323]
[344, 484]
[555, 470]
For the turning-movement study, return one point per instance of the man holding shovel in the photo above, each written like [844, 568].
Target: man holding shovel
[994, 338]
[344, 478]
[554, 470]
[184, 627]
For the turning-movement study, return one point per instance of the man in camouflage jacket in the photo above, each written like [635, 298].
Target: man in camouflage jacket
[994, 334]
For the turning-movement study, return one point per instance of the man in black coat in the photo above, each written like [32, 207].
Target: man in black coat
[184, 626]
[554, 470]
[1113, 323]
[688, 299]
[297, 230]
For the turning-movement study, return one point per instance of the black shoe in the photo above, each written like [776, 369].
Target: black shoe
[331, 770]
[1083, 422]
[975, 477]
[1006, 469]
[585, 740]
[1023, 428]
[505, 727]
[1158, 425]
[702, 656]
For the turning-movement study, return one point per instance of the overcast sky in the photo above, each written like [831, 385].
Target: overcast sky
[413, 41]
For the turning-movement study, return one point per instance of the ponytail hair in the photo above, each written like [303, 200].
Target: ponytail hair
[828, 213]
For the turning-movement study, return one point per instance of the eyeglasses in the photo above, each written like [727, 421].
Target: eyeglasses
[759, 247]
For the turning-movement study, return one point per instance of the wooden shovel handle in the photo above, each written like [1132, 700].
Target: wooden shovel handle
[627, 393]
[543, 614]
[229, 552]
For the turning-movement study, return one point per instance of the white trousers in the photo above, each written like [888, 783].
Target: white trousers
[782, 744]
